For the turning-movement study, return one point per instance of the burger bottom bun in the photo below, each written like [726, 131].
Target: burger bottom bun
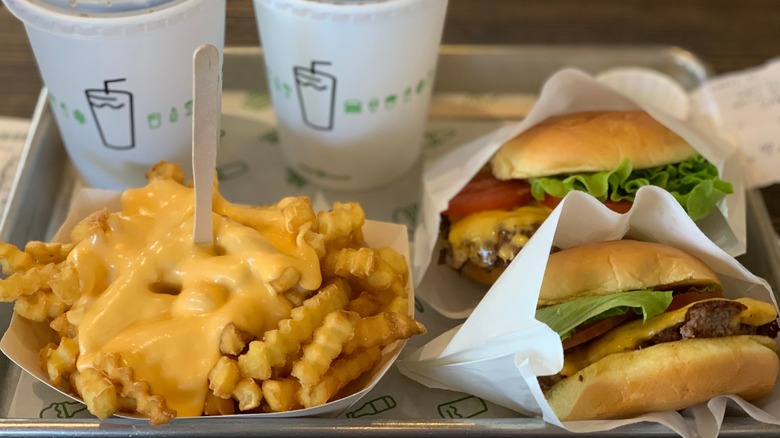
[667, 376]
[479, 274]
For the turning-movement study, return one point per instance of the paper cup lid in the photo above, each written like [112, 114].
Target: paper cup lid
[104, 6]
[648, 87]
[102, 18]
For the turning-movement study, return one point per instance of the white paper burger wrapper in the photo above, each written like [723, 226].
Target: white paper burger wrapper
[24, 339]
[567, 91]
[498, 352]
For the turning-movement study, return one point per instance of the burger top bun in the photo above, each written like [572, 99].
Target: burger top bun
[617, 266]
[589, 142]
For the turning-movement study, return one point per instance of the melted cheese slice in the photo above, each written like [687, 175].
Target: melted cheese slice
[481, 230]
[629, 336]
[161, 301]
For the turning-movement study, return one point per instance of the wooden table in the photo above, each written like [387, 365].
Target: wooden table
[729, 35]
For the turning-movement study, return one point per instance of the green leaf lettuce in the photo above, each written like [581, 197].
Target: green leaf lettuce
[565, 317]
[694, 183]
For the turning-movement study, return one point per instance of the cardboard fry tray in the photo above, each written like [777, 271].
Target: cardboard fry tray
[46, 179]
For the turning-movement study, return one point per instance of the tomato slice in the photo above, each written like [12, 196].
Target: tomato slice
[594, 329]
[551, 201]
[683, 299]
[619, 206]
[616, 206]
[485, 192]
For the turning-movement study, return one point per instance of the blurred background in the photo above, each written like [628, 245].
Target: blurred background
[727, 34]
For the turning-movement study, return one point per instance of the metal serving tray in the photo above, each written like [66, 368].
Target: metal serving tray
[45, 180]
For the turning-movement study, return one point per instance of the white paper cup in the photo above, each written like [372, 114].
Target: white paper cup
[120, 80]
[351, 83]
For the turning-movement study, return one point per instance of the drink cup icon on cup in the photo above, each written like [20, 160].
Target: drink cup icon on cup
[113, 114]
[316, 95]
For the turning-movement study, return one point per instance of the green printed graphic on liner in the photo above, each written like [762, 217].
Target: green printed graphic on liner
[271, 136]
[188, 105]
[66, 409]
[466, 407]
[322, 173]
[64, 109]
[231, 170]
[173, 115]
[373, 105]
[373, 407]
[436, 138]
[255, 100]
[418, 306]
[406, 215]
[296, 179]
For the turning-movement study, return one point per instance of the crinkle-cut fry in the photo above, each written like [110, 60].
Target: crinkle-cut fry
[277, 344]
[395, 260]
[365, 265]
[343, 225]
[338, 328]
[289, 278]
[281, 394]
[259, 218]
[342, 371]
[366, 304]
[297, 213]
[398, 304]
[285, 369]
[166, 170]
[383, 329]
[48, 252]
[233, 340]
[218, 406]
[348, 262]
[61, 360]
[97, 391]
[12, 259]
[63, 327]
[298, 295]
[94, 224]
[248, 394]
[39, 306]
[317, 242]
[66, 284]
[151, 405]
[27, 282]
[224, 377]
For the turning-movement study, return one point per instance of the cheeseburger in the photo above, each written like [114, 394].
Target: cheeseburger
[645, 328]
[608, 154]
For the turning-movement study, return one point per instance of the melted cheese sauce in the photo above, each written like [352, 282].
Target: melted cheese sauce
[161, 301]
[631, 335]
